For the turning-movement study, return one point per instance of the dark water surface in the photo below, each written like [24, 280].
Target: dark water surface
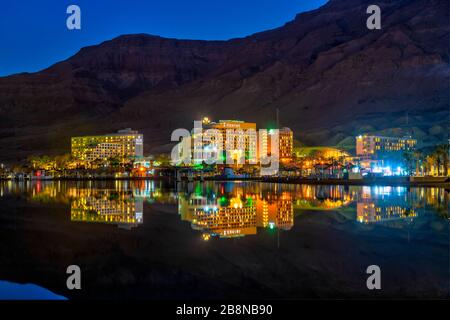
[149, 239]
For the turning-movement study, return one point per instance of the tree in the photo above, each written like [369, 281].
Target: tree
[62, 161]
[408, 158]
[418, 157]
[441, 158]
[114, 162]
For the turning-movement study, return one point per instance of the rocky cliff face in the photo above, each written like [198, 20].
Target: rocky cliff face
[330, 77]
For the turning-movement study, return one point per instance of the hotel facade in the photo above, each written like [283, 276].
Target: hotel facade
[125, 144]
[235, 137]
[374, 146]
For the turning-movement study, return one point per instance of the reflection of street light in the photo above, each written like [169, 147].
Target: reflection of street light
[206, 236]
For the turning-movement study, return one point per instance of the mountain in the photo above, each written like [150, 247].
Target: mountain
[330, 77]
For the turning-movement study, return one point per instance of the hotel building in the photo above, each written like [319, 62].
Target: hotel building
[237, 149]
[285, 144]
[249, 149]
[125, 144]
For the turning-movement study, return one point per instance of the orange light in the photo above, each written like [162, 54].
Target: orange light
[142, 169]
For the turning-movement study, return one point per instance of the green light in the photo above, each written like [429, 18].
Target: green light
[223, 201]
[198, 190]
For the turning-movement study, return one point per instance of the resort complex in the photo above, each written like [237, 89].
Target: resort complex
[238, 150]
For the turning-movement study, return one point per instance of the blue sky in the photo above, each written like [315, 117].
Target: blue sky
[33, 33]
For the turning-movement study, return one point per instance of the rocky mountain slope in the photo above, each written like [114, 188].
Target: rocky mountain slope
[330, 77]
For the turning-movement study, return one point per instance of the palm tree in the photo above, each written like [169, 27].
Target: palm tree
[408, 157]
[419, 159]
[441, 157]
[62, 161]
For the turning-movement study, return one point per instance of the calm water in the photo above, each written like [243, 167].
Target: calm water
[156, 240]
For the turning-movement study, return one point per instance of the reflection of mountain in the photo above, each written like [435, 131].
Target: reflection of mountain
[106, 206]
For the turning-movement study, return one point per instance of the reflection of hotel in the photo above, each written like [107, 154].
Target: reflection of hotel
[226, 222]
[285, 144]
[237, 216]
[219, 217]
[105, 206]
[380, 204]
[276, 212]
[368, 212]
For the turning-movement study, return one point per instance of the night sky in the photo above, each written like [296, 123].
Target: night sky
[33, 33]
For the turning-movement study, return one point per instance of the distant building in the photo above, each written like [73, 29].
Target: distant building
[286, 144]
[375, 147]
[320, 152]
[125, 144]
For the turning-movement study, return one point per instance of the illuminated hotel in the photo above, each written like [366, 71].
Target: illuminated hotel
[236, 150]
[285, 144]
[125, 144]
[375, 146]
[104, 206]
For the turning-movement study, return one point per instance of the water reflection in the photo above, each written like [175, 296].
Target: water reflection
[229, 210]
[106, 206]
[235, 211]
